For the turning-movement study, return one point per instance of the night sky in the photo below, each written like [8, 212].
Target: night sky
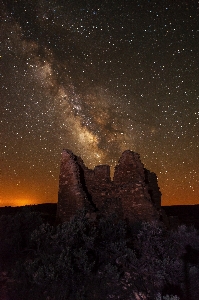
[98, 77]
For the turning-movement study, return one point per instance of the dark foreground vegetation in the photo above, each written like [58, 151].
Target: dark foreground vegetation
[96, 258]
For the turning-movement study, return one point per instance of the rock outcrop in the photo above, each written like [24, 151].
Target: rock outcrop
[133, 193]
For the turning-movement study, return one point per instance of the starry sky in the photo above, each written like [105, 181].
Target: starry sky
[98, 77]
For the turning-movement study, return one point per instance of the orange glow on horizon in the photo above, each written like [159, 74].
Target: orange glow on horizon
[24, 201]
[42, 191]
[21, 201]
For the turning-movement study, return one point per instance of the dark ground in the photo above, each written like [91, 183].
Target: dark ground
[178, 214]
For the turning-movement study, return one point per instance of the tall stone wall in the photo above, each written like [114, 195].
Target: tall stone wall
[133, 194]
[71, 195]
[130, 182]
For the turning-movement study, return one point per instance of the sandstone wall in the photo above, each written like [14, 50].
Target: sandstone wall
[133, 194]
[71, 195]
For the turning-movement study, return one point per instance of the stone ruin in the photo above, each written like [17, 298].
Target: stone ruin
[133, 193]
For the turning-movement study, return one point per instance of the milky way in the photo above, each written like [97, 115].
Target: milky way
[98, 77]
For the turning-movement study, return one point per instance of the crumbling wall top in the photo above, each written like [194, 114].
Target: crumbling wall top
[129, 168]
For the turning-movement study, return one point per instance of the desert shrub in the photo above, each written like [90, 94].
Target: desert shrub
[167, 297]
[107, 259]
[185, 246]
[15, 233]
[78, 259]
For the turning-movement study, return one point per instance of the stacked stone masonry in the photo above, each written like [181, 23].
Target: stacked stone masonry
[133, 193]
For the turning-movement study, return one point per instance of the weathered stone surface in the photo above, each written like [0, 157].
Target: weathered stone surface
[133, 194]
[129, 169]
[132, 189]
[71, 195]
[153, 188]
